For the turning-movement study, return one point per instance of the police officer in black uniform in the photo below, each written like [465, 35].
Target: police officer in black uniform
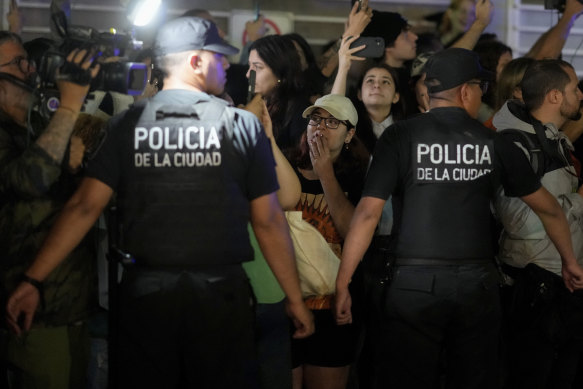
[442, 169]
[190, 172]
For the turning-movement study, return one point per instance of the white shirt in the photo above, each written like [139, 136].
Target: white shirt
[379, 128]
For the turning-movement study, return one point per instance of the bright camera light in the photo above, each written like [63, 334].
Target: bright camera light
[142, 12]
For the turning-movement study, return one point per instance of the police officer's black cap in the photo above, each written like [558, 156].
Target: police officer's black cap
[453, 67]
[190, 33]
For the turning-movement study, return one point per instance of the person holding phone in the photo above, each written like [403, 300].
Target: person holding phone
[377, 98]
[400, 49]
[442, 305]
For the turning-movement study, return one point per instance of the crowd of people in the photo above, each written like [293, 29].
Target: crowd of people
[412, 220]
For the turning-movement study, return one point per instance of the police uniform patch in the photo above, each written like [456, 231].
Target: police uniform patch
[177, 146]
[451, 162]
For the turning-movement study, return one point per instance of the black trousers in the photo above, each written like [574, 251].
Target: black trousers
[186, 329]
[543, 335]
[436, 319]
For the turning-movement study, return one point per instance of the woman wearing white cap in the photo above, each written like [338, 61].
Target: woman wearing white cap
[331, 164]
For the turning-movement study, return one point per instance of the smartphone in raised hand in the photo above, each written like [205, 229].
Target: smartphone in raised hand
[257, 11]
[251, 86]
[375, 46]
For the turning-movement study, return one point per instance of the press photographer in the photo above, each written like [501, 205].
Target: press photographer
[36, 182]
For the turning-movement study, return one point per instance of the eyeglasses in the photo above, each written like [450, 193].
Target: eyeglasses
[483, 85]
[330, 123]
[23, 63]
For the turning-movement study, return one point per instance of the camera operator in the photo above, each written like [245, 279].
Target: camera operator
[35, 183]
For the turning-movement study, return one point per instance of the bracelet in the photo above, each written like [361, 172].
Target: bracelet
[36, 283]
[68, 109]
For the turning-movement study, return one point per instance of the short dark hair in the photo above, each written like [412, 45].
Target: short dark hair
[387, 25]
[6, 36]
[164, 63]
[540, 78]
[490, 52]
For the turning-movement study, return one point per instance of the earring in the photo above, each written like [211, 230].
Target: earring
[346, 145]
[279, 81]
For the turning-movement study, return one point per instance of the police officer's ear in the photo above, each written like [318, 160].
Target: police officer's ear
[194, 61]
[468, 95]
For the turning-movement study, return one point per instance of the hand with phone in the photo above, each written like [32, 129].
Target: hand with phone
[251, 86]
[257, 107]
[256, 28]
[374, 46]
[359, 17]
[484, 13]
[346, 54]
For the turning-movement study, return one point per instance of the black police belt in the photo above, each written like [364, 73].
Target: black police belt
[442, 262]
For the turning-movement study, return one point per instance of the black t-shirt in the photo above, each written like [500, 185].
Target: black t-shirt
[184, 177]
[443, 168]
[315, 208]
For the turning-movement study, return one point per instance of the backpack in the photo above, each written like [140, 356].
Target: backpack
[535, 152]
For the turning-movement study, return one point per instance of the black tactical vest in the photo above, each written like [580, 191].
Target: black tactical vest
[445, 198]
[181, 195]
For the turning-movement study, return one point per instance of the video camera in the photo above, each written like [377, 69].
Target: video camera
[117, 76]
[557, 4]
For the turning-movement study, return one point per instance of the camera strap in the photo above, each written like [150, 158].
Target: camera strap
[17, 81]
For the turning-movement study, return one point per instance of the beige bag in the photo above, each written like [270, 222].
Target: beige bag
[316, 262]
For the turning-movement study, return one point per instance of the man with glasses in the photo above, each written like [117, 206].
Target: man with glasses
[35, 183]
[543, 351]
[442, 169]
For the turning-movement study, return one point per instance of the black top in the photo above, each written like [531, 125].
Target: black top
[407, 99]
[443, 168]
[314, 206]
